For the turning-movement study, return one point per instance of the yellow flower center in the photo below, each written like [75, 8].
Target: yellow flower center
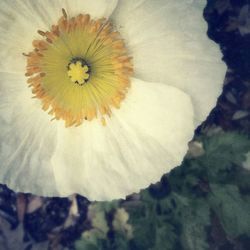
[80, 70]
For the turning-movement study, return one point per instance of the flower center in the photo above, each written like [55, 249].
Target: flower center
[80, 69]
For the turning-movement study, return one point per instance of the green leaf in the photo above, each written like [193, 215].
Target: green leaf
[166, 237]
[194, 220]
[180, 219]
[232, 208]
[85, 245]
[221, 151]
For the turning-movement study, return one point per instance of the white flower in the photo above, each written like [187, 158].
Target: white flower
[148, 118]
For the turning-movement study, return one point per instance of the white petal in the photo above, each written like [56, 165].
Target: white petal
[96, 8]
[169, 44]
[20, 20]
[144, 139]
[27, 139]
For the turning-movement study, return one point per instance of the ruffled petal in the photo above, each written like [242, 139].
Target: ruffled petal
[142, 140]
[169, 44]
[20, 20]
[27, 139]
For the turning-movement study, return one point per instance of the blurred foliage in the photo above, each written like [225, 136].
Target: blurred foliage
[202, 204]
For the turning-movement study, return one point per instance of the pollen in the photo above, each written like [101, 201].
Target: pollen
[80, 69]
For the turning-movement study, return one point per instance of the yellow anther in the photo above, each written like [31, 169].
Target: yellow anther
[78, 73]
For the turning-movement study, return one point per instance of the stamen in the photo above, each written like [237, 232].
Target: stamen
[49, 40]
[79, 70]
[41, 33]
[25, 54]
[64, 13]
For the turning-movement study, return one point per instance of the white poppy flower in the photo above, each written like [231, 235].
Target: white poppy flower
[130, 80]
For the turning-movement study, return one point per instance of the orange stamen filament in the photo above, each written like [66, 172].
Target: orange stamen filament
[88, 87]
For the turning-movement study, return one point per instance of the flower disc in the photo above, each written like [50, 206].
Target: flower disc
[80, 69]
